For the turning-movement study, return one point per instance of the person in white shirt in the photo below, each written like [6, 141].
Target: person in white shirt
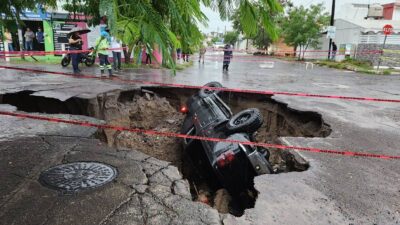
[9, 40]
[116, 45]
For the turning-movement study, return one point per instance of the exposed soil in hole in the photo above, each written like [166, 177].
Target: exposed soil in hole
[157, 108]
[148, 112]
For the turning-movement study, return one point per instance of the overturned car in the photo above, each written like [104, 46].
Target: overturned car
[234, 165]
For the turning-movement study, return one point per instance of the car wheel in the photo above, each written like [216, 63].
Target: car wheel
[204, 92]
[65, 61]
[249, 121]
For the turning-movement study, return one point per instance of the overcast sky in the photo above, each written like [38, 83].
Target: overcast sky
[216, 24]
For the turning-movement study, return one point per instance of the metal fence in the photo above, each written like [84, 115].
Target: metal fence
[379, 38]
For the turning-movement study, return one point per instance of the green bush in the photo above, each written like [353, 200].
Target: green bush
[387, 72]
[360, 63]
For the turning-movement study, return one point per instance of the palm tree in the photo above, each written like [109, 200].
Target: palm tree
[161, 21]
[250, 14]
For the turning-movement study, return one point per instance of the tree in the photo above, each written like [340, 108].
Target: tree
[85, 7]
[249, 14]
[144, 22]
[12, 9]
[303, 26]
[262, 38]
[161, 21]
[231, 37]
[215, 40]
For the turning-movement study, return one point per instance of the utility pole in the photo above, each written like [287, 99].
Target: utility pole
[332, 23]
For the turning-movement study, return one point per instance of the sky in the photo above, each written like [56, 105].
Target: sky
[216, 24]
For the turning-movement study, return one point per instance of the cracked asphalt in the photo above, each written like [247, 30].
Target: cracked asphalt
[335, 190]
[146, 190]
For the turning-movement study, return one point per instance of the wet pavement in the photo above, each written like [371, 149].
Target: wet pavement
[336, 189]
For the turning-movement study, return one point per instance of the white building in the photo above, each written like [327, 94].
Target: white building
[360, 26]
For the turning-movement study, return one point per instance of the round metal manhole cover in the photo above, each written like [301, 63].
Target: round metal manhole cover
[77, 176]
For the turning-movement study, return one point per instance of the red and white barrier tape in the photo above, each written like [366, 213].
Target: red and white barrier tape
[289, 52]
[176, 135]
[349, 98]
[41, 53]
[60, 52]
[244, 58]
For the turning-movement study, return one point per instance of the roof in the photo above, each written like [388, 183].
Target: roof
[396, 3]
[375, 26]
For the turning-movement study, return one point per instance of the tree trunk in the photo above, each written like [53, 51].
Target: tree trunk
[299, 53]
[304, 50]
[127, 54]
[20, 37]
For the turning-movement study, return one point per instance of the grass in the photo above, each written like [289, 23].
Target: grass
[179, 66]
[57, 61]
[354, 65]
[40, 59]
[130, 65]
[182, 66]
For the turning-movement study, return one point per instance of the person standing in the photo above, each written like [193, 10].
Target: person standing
[101, 48]
[9, 40]
[179, 53]
[148, 54]
[116, 46]
[202, 53]
[140, 55]
[29, 36]
[227, 57]
[75, 43]
[185, 52]
[334, 49]
[40, 39]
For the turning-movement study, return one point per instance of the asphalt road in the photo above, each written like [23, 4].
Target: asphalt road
[336, 189]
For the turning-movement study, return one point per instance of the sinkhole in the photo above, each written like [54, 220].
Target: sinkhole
[157, 108]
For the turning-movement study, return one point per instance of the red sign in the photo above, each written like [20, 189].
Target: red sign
[388, 29]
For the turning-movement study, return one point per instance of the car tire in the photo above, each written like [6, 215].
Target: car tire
[65, 61]
[248, 121]
[204, 92]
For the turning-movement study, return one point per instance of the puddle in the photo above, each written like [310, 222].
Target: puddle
[267, 65]
[331, 85]
[157, 108]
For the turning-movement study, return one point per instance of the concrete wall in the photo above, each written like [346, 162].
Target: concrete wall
[389, 59]
[346, 33]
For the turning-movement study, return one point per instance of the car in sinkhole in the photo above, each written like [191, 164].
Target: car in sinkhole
[233, 165]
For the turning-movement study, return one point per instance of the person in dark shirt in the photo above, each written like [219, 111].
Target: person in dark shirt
[334, 50]
[75, 43]
[228, 54]
[40, 39]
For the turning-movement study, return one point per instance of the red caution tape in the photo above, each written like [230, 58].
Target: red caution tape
[349, 98]
[41, 53]
[289, 52]
[176, 135]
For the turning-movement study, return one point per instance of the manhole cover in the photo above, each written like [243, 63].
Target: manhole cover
[77, 176]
